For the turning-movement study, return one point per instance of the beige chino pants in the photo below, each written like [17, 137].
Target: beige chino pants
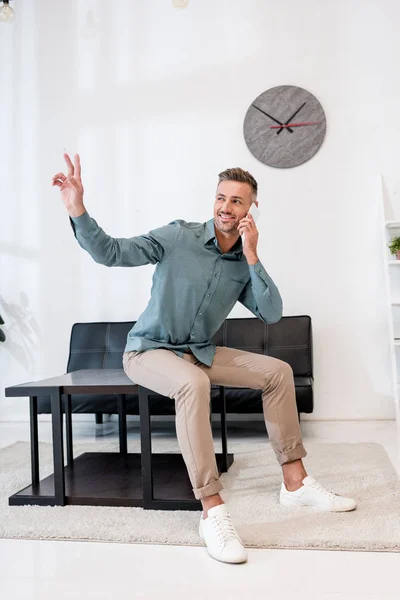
[188, 381]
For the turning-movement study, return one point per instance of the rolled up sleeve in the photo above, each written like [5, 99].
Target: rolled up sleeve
[261, 296]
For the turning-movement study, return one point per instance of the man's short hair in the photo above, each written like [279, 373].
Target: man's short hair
[238, 174]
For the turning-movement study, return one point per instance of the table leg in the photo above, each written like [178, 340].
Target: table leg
[123, 443]
[68, 429]
[224, 431]
[34, 440]
[58, 451]
[145, 440]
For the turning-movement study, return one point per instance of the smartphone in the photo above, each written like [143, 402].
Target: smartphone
[255, 213]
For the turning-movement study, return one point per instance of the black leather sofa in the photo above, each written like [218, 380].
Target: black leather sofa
[101, 345]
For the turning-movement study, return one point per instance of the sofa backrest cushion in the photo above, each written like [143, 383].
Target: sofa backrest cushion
[290, 340]
[101, 345]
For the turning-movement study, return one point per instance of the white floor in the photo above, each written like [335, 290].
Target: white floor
[58, 570]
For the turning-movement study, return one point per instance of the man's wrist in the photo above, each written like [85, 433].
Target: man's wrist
[76, 211]
[252, 259]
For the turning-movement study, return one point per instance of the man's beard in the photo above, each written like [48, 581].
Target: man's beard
[227, 226]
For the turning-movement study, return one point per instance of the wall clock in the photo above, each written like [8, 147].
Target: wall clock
[284, 126]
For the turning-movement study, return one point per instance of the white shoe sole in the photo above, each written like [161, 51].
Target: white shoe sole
[338, 509]
[232, 562]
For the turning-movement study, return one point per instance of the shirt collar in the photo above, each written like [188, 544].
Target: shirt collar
[209, 234]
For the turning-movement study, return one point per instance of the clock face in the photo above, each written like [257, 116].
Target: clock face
[284, 126]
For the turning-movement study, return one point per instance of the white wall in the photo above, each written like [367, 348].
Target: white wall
[154, 104]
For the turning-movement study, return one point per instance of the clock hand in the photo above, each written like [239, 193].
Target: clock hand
[269, 116]
[292, 117]
[295, 124]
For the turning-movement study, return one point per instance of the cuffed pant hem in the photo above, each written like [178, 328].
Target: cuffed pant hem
[208, 490]
[291, 455]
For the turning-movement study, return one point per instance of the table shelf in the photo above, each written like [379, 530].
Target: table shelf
[114, 479]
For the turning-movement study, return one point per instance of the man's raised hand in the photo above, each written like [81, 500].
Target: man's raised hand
[71, 187]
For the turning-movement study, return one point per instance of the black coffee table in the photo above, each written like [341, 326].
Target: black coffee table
[152, 481]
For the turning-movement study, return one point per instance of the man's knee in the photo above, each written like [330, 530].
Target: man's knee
[198, 385]
[284, 368]
[281, 371]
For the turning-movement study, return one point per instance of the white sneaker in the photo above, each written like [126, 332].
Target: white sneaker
[221, 538]
[312, 493]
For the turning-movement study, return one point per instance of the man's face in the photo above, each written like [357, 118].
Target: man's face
[232, 202]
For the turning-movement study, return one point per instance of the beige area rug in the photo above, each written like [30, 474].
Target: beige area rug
[362, 471]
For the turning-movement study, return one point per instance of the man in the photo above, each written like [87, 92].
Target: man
[202, 270]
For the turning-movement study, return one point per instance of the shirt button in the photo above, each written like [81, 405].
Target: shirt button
[193, 333]
[200, 314]
[208, 295]
[216, 274]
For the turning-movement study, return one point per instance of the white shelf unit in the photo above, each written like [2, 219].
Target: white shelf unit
[392, 276]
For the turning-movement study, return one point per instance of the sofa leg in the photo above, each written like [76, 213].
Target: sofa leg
[99, 418]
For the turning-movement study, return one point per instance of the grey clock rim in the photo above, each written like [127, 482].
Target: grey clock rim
[302, 160]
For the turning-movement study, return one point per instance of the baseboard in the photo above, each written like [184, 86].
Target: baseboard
[90, 418]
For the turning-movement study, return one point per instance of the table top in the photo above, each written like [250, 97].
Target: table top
[85, 381]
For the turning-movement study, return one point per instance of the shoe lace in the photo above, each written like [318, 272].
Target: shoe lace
[224, 528]
[320, 488]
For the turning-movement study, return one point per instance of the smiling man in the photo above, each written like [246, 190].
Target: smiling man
[202, 270]
[231, 208]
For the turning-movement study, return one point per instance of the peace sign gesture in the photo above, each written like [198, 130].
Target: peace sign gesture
[71, 187]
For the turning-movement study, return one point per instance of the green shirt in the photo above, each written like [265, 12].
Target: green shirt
[194, 288]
